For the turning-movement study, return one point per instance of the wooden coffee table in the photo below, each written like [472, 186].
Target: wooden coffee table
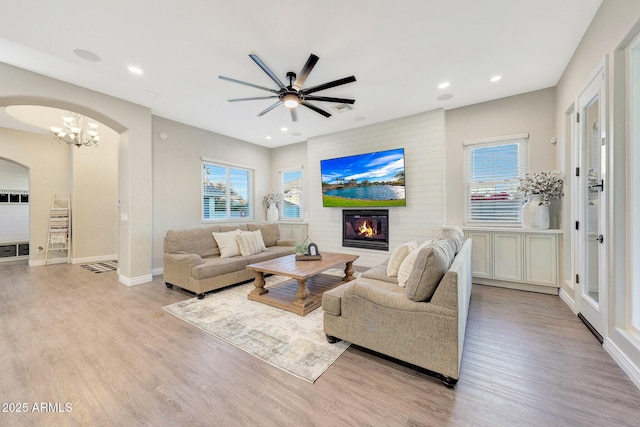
[310, 284]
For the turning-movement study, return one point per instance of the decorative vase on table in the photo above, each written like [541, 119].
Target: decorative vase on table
[272, 212]
[535, 214]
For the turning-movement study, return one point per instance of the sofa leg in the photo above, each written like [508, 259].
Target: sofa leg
[332, 339]
[169, 285]
[448, 381]
[200, 296]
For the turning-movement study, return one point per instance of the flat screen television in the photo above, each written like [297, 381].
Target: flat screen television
[370, 179]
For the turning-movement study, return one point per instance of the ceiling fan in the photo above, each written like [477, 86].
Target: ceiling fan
[293, 94]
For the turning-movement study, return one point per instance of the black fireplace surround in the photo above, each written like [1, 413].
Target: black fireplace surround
[366, 229]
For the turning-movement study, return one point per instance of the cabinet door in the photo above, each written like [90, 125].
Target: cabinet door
[481, 253]
[299, 232]
[507, 257]
[286, 231]
[541, 259]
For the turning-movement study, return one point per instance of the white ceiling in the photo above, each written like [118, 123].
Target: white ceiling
[398, 50]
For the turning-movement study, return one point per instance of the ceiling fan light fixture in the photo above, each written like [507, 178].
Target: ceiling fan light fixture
[290, 100]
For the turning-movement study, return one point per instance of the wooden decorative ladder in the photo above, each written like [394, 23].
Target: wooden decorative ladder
[59, 239]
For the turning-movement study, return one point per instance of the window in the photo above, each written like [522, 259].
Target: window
[291, 188]
[493, 167]
[227, 192]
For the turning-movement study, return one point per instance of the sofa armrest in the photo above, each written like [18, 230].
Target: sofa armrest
[177, 268]
[285, 242]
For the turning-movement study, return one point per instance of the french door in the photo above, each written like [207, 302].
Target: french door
[591, 177]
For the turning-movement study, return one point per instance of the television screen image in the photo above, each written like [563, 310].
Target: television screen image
[370, 179]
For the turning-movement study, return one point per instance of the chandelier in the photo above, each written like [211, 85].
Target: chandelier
[75, 131]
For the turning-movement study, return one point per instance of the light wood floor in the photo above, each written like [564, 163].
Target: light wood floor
[71, 336]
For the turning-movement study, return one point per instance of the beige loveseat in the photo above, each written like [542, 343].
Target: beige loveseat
[423, 323]
[193, 258]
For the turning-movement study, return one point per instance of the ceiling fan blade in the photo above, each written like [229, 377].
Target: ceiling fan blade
[324, 86]
[294, 114]
[316, 109]
[262, 113]
[247, 84]
[267, 70]
[306, 70]
[252, 99]
[330, 99]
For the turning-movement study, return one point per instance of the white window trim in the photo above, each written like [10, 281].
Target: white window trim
[281, 189]
[251, 195]
[489, 141]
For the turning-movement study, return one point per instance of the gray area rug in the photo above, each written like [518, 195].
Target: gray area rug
[101, 267]
[293, 343]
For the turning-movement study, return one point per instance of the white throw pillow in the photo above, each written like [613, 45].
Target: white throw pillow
[248, 244]
[407, 264]
[398, 255]
[227, 243]
[257, 234]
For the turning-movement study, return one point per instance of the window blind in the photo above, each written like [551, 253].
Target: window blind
[227, 192]
[492, 169]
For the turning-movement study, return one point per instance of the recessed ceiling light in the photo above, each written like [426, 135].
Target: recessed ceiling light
[268, 137]
[284, 129]
[445, 97]
[154, 94]
[86, 55]
[496, 78]
[444, 85]
[135, 70]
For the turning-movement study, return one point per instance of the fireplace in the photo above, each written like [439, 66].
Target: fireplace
[366, 229]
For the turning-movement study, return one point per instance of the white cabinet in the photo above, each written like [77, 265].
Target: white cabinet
[519, 259]
[297, 231]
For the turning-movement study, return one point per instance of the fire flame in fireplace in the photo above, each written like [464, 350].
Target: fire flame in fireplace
[366, 230]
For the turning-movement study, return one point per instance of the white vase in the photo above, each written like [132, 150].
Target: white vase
[272, 212]
[535, 214]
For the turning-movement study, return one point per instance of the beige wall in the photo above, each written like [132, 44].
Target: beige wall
[133, 123]
[613, 27]
[530, 112]
[177, 175]
[88, 174]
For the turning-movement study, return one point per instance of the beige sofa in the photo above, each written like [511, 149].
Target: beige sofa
[193, 261]
[422, 324]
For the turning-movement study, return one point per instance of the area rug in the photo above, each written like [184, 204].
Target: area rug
[101, 267]
[293, 343]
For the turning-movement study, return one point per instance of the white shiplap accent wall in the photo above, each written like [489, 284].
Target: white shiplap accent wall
[422, 137]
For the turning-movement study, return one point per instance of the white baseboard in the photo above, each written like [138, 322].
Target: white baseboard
[99, 258]
[568, 300]
[157, 271]
[627, 365]
[132, 281]
[40, 262]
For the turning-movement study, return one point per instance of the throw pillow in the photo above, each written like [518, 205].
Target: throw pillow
[398, 255]
[407, 264]
[257, 234]
[430, 266]
[248, 244]
[270, 232]
[227, 243]
[457, 235]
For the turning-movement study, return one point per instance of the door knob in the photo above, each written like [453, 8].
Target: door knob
[600, 238]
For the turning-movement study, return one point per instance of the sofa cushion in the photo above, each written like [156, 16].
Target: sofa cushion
[217, 266]
[227, 243]
[198, 241]
[379, 272]
[456, 234]
[225, 228]
[270, 232]
[430, 265]
[407, 264]
[398, 255]
[248, 244]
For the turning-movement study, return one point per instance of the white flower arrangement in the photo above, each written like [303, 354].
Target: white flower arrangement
[547, 184]
[271, 198]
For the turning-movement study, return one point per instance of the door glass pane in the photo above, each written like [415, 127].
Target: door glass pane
[593, 191]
